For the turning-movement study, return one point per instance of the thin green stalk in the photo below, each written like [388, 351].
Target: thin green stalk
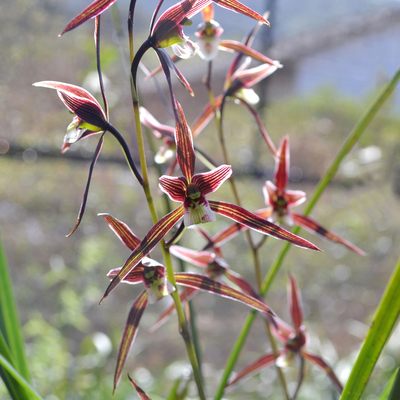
[348, 144]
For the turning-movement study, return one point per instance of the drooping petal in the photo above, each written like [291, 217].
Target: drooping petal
[141, 393]
[206, 284]
[199, 258]
[159, 130]
[156, 233]
[318, 361]
[253, 221]
[94, 9]
[209, 182]
[127, 237]
[294, 299]
[256, 366]
[86, 193]
[313, 227]
[129, 334]
[174, 187]
[184, 146]
[282, 165]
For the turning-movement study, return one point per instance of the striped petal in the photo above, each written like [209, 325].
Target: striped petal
[174, 187]
[282, 165]
[134, 277]
[94, 9]
[129, 334]
[206, 115]
[156, 233]
[253, 221]
[238, 280]
[199, 258]
[209, 182]
[313, 227]
[296, 310]
[206, 284]
[184, 146]
[141, 393]
[127, 237]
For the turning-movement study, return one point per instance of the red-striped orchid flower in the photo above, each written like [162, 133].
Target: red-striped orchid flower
[89, 119]
[152, 275]
[191, 190]
[295, 340]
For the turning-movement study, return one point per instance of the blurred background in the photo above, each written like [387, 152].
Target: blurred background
[336, 56]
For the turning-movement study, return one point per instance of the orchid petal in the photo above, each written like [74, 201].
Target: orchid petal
[129, 334]
[184, 146]
[270, 193]
[86, 193]
[294, 197]
[239, 281]
[206, 284]
[174, 187]
[127, 237]
[208, 13]
[206, 115]
[197, 212]
[185, 50]
[282, 165]
[256, 366]
[209, 182]
[318, 361]
[199, 258]
[159, 130]
[94, 9]
[313, 227]
[141, 393]
[283, 331]
[134, 277]
[295, 307]
[155, 281]
[156, 233]
[253, 221]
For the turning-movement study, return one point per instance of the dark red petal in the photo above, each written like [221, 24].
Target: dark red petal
[207, 284]
[256, 366]
[317, 360]
[127, 237]
[156, 233]
[295, 306]
[184, 145]
[238, 280]
[174, 187]
[94, 9]
[134, 277]
[253, 221]
[282, 165]
[313, 227]
[179, 75]
[129, 334]
[141, 393]
[199, 258]
[86, 193]
[209, 182]
[282, 331]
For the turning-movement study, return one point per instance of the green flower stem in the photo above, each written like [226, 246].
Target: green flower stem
[379, 332]
[348, 144]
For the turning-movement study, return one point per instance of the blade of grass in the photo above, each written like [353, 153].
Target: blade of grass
[32, 394]
[389, 387]
[382, 325]
[327, 177]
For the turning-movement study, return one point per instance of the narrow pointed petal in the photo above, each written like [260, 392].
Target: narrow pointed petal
[270, 192]
[129, 334]
[256, 366]
[185, 295]
[127, 237]
[156, 233]
[317, 360]
[208, 13]
[86, 193]
[94, 9]
[158, 129]
[174, 187]
[178, 73]
[134, 277]
[282, 165]
[313, 227]
[253, 221]
[209, 182]
[141, 393]
[294, 197]
[184, 146]
[199, 258]
[282, 331]
[233, 45]
[209, 285]
[296, 310]
[238, 280]
[206, 115]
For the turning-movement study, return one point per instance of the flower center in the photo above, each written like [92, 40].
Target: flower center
[193, 191]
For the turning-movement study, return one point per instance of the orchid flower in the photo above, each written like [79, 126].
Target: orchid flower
[156, 286]
[191, 190]
[89, 119]
[295, 340]
[280, 201]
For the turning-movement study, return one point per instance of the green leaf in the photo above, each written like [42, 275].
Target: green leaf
[389, 386]
[382, 325]
[31, 393]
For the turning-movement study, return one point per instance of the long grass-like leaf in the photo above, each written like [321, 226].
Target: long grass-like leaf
[392, 389]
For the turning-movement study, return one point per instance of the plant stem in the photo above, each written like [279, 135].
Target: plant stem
[346, 147]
